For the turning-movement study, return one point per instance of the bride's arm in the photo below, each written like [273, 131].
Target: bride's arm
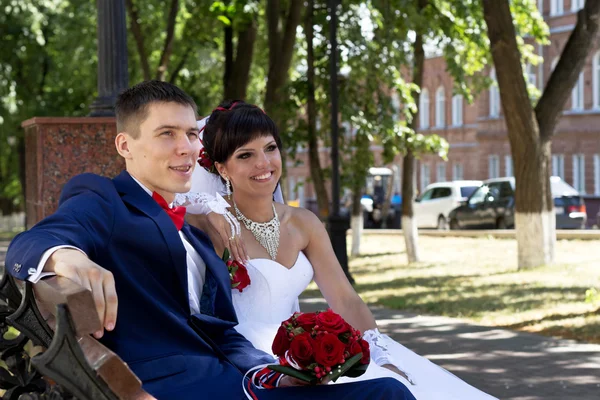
[340, 295]
[329, 276]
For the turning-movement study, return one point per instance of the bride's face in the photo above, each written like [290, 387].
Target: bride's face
[254, 168]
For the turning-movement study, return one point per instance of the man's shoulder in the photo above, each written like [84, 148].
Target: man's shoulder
[88, 183]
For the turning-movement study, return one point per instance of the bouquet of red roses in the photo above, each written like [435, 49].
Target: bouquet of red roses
[238, 274]
[312, 346]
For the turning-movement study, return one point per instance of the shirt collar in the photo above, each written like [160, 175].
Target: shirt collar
[146, 189]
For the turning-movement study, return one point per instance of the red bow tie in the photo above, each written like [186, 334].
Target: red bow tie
[176, 213]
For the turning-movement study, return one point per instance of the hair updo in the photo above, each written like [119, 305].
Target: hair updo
[232, 125]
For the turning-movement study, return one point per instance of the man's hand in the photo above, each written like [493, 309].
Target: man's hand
[76, 266]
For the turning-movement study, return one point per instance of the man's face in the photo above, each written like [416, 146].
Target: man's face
[165, 153]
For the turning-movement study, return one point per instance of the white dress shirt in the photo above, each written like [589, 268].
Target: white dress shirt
[196, 268]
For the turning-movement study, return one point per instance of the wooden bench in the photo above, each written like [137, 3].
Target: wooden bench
[69, 362]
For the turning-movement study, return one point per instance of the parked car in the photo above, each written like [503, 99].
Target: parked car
[493, 204]
[438, 199]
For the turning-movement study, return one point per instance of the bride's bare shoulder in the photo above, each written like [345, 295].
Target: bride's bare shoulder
[301, 218]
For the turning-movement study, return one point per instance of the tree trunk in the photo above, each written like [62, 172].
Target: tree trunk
[356, 222]
[316, 172]
[529, 130]
[387, 202]
[409, 225]
[281, 50]
[237, 69]
[136, 29]
[161, 71]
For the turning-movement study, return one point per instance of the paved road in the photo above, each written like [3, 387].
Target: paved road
[506, 364]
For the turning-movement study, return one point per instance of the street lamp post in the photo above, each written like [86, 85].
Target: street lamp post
[338, 224]
[112, 56]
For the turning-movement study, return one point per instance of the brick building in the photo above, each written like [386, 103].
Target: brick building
[479, 146]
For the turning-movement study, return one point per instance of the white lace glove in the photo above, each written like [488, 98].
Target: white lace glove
[378, 345]
[204, 203]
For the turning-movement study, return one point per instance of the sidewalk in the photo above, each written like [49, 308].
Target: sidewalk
[506, 364]
[503, 363]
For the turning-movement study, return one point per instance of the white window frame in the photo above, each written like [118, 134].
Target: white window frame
[577, 99]
[440, 107]
[508, 166]
[494, 96]
[457, 172]
[493, 166]
[457, 110]
[577, 5]
[558, 165]
[597, 174]
[596, 79]
[541, 6]
[425, 176]
[424, 109]
[531, 75]
[579, 172]
[540, 80]
[557, 7]
[292, 188]
[441, 172]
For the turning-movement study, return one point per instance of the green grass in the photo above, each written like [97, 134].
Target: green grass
[8, 235]
[478, 280]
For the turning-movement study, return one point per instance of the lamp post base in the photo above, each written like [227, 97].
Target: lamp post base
[338, 226]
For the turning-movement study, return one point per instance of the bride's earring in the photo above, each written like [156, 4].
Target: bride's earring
[228, 188]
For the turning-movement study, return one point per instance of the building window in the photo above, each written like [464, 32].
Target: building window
[596, 79]
[597, 174]
[541, 6]
[457, 172]
[579, 172]
[493, 166]
[577, 5]
[441, 172]
[300, 192]
[457, 110]
[531, 76]
[556, 7]
[540, 67]
[558, 165]
[292, 188]
[508, 166]
[425, 176]
[440, 107]
[494, 96]
[424, 109]
[577, 94]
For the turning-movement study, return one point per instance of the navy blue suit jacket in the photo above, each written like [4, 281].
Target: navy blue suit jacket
[176, 355]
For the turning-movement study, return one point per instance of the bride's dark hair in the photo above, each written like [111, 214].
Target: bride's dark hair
[232, 125]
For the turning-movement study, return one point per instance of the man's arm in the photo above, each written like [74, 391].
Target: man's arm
[241, 352]
[83, 220]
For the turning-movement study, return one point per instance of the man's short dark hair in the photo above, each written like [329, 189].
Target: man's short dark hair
[132, 104]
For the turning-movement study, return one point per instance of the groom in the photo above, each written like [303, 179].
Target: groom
[175, 316]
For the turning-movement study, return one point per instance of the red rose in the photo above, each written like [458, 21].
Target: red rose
[281, 343]
[301, 349]
[238, 275]
[306, 321]
[354, 348]
[366, 357]
[331, 322]
[329, 350]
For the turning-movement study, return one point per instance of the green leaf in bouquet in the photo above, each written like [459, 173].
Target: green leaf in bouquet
[346, 367]
[294, 373]
[225, 254]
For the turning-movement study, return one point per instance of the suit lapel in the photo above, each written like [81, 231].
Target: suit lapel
[133, 194]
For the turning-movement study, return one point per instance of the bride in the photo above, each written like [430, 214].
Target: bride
[284, 248]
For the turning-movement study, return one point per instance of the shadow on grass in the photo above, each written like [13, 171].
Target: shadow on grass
[371, 255]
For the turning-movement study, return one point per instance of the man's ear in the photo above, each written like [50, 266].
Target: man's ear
[122, 144]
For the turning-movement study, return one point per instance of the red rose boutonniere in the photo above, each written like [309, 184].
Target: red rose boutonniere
[238, 274]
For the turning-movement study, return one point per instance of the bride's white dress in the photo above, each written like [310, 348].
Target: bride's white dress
[273, 296]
